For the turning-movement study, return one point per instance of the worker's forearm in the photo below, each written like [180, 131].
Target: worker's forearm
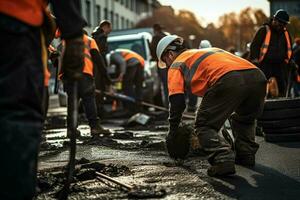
[177, 106]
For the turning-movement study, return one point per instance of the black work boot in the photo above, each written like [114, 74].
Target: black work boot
[221, 169]
[99, 130]
[246, 160]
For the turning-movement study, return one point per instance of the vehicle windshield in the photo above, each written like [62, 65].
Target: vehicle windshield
[134, 45]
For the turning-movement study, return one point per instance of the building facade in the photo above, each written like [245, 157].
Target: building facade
[123, 14]
[291, 6]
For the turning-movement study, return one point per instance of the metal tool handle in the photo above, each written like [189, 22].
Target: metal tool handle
[128, 187]
[72, 127]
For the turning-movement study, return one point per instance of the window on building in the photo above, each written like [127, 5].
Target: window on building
[127, 23]
[97, 15]
[112, 17]
[122, 23]
[132, 5]
[127, 4]
[117, 21]
[105, 13]
[122, 2]
[88, 12]
[131, 25]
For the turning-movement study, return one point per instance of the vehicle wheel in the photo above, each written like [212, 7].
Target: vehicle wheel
[282, 103]
[283, 123]
[282, 138]
[288, 130]
[280, 120]
[280, 114]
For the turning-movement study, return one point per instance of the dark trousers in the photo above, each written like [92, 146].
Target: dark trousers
[21, 113]
[163, 75]
[86, 92]
[133, 83]
[238, 95]
[280, 72]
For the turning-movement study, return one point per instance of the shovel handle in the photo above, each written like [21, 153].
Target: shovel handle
[128, 187]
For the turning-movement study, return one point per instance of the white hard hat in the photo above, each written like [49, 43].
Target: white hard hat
[204, 44]
[162, 46]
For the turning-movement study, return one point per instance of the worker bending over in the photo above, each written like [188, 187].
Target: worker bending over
[131, 75]
[231, 87]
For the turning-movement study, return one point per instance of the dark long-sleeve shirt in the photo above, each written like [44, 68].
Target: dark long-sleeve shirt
[177, 106]
[277, 51]
[101, 40]
[69, 19]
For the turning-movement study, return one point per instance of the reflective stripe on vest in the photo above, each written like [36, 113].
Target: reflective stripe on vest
[265, 46]
[189, 73]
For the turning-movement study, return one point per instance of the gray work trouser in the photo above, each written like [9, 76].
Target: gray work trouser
[238, 96]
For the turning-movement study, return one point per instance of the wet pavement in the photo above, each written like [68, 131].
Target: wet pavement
[136, 156]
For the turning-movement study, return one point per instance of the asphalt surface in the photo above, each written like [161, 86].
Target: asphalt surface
[275, 176]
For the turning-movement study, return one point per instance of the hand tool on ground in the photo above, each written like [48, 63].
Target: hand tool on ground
[123, 97]
[72, 128]
[135, 192]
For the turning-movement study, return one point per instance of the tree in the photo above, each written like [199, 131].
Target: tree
[294, 27]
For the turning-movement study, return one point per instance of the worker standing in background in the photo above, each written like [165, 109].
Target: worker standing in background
[86, 86]
[100, 35]
[22, 84]
[231, 88]
[131, 75]
[271, 49]
[157, 35]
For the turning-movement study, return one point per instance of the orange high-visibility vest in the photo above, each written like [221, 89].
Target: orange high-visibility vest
[28, 11]
[89, 43]
[265, 46]
[128, 54]
[199, 69]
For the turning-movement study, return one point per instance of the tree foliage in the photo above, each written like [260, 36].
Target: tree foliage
[234, 29]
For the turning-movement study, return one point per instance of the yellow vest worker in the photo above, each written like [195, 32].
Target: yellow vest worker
[231, 87]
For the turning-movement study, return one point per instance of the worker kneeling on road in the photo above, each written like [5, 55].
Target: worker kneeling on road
[131, 66]
[231, 87]
[86, 86]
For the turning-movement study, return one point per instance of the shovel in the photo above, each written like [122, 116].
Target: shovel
[123, 97]
[135, 192]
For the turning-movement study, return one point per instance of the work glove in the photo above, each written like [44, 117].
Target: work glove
[178, 141]
[73, 58]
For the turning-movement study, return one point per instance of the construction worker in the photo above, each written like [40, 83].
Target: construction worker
[86, 86]
[157, 35]
[231, 87]
[21, 83]
[204, 44]
[100, 35]
[271, 49]
[131, 75]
